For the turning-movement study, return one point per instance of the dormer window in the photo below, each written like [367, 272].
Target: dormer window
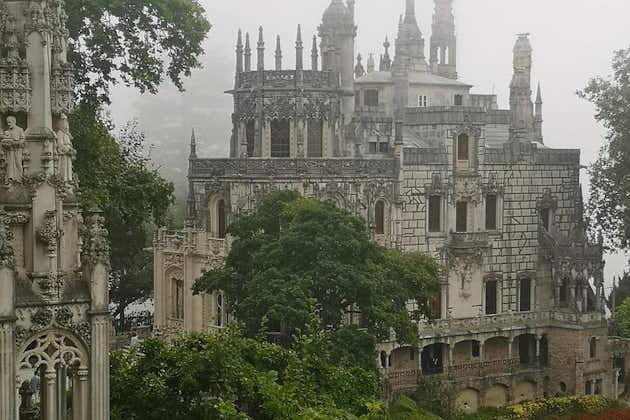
[463, 146]
[423, 101]
[371, 97]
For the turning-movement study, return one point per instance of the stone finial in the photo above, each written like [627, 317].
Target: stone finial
[299, 50]
[278, 54]
[314, 55]
[370, 64]
[359, 70]
[386, 62]
[248, 53]
[261, 49]
[193, 145]
[539, 95]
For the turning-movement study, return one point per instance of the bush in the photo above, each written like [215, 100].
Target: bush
[555, 408]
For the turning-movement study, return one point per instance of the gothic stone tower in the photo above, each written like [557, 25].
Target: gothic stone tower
[54, 319]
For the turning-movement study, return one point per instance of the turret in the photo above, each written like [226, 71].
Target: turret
[248, 54]
[443, 40]
[278, 55]
[410, 43]
[538, 116]
[521, 91]
[239, 52]
[299, 50]
[314, 55]
[261, 49]
[338, 32]
[370, 64]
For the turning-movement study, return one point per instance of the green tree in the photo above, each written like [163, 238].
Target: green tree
[115, 176]
[621, 291]
[609, 204]
[293, 250]
[622, 318]
[138, 42]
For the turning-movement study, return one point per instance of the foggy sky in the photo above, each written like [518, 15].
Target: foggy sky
[573, 40]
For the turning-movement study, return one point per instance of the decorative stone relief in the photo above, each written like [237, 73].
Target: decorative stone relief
[7, 256]
[48, 232]
[95, 242]
[13, 143]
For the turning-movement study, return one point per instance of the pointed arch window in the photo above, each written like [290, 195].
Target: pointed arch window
[463, 147]
[221, 219]
[280, 139]
[379, 215]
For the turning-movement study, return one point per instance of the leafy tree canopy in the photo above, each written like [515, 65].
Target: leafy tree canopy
[293, 251]
[609, 203]
[115, 176]
[622, 318]
[138, 42]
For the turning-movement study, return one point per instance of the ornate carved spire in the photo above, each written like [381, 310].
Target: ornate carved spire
[261, 49]
[386, 62]
[370, 64]
[248, 53]
[314, 55]
[299, 50]
[410, 11]
[538, 116]
[278, 54]
[193, 145]
[239, 52]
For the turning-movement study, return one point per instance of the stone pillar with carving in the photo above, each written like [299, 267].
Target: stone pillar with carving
[7, 323]
[96, 265]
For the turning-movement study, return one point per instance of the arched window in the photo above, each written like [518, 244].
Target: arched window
[593, 347]
[463, 151]
[383, 359]
[280, 139]
[379, 215]
[564, 292]
[221, 221]
[177, 294]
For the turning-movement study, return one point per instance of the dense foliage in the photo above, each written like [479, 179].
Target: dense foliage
[115, 176]
[138, 42]
[621, 319]
[610, 175]
[293, 252]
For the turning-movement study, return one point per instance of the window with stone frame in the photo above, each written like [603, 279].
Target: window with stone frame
[315, 139]
[563, 292]
[525, 295]
[463, 147]
[370, 97]
[435, 305]
[592, 347]
[423, 101]
[459, 100]
[491, 297]
[221, 219]
[475, 349]
[280, 139]
[379, 146]
[250, 135]
[491, 212]
[177, 296]
[598, 387]
[588, 388]
[435, 213]
[461, 216]
[379, 217]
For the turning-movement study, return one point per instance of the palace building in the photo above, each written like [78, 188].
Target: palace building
[402, 142]
[54, 305]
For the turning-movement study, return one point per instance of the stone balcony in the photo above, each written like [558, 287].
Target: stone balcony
[504, 322]
[195, 241]
[467, 243]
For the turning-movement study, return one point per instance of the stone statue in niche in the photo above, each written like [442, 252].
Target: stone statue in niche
[64, 149]
[13, 145]
[13, 49]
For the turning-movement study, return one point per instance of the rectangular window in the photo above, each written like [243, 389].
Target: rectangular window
[423, 101]
[371, 97]
[315, 138]
[435, 216]
[491, 297]
[383, 147]
[462, 217]
[491, 212]
[598, 387]
[526, 295]
[588, 388]
[436, 306]
[462, 147]
[280, 138]
[373, 147]
[250, 135]
[459, 100]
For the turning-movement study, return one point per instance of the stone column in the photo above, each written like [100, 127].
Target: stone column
[538, 338]
[510, 343]
[100, 366]
[82, 408]
[49, 405]
[7, 339]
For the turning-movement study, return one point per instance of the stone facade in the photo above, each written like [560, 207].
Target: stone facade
[432, 168]
[54, 316]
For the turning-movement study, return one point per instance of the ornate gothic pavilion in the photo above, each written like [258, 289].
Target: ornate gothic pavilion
[54, 319]
[433, 168]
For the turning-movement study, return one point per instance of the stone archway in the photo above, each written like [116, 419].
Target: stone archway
[58, 361]
[496, 396]
[467, 400]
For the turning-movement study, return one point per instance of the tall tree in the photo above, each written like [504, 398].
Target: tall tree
[609, 204]
[294, 250]
[138, 42]
[115, 175]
